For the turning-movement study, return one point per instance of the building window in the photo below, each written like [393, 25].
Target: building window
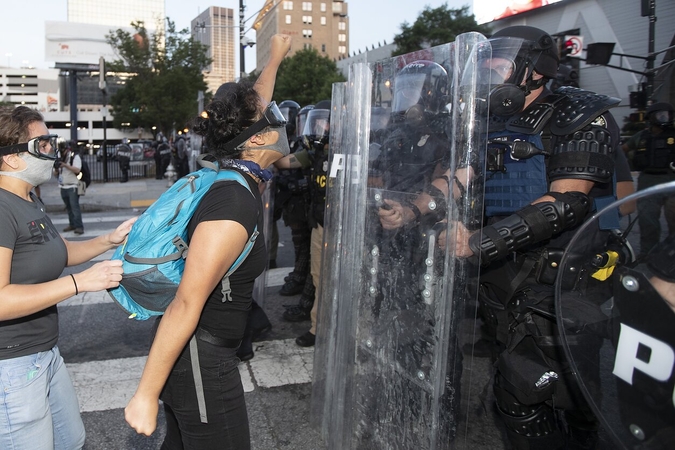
[288, 6]
[337, 7]
[306, 6]
[323, 20]
[342, 37]
[342, 26]
[288, 19]
[307, 19]
[342, 49]
[323, 7]
[323, 48]
[307, 34]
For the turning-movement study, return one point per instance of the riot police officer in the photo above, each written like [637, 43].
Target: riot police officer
[653, 151]
[315, 158]
[293, 194]
[164, 151]
[124, 159]
[532, 205]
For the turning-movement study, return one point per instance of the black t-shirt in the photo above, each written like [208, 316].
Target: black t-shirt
[229, 200]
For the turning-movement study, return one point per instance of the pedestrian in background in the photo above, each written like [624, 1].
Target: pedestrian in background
[67, 169]
[244, 133]
[38, 406]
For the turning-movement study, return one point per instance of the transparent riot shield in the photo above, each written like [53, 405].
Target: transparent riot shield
[394, 311]
[268, 222]
[615, 304]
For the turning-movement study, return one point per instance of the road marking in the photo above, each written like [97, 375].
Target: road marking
[110, 384]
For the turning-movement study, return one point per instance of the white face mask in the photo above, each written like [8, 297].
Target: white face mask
[37, 170]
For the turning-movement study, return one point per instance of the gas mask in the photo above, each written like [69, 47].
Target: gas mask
[39, 154]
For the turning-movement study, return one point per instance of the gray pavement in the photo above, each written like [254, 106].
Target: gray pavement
[137, 193]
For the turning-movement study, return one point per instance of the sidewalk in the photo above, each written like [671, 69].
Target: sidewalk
[136, 193]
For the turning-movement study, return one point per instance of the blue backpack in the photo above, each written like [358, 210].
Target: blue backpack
[153, 256]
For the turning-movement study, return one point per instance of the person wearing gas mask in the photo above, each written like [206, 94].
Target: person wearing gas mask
[653, 154]
[246, 132]
[535, 197]
[315, 158]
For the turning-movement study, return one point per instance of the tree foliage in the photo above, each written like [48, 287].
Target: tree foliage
[435, 27]
[306, 77]
[163, 77]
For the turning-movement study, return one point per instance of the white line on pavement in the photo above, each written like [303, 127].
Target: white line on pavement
[110, 384]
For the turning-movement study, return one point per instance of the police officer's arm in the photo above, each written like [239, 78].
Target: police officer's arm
[264, 85]
[396, 214]
[214, 246]
[297, 160]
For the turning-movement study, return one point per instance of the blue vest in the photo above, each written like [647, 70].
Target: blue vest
[523, 182]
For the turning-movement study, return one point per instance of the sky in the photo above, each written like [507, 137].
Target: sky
[22, 34]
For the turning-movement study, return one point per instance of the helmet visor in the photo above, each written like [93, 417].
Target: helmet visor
[408, 90]
[317, 125]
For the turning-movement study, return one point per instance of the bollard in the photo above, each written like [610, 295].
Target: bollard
[170, 174]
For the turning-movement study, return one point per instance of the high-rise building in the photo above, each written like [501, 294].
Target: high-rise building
[215, 28]
[319, 24]
[119, 13]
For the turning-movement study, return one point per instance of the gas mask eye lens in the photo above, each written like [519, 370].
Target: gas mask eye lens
[43, 146]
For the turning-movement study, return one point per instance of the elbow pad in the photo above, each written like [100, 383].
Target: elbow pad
[532, 224]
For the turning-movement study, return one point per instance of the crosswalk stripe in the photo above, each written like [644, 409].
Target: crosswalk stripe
[110, 384]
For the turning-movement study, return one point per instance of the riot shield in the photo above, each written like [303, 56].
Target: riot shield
[394, 311]
[616, 314]
[259, 287]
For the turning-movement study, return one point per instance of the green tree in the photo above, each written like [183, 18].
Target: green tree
[435, 27]
[306, 77]
[162, 74]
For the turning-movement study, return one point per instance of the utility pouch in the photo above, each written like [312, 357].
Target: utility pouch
[548, 265]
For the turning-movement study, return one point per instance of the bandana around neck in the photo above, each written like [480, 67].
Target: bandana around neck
[249, 167]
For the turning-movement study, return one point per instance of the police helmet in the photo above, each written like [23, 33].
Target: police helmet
[420, 90]
[317, 125]
[660, 114]
[301, 118]
[537, 50]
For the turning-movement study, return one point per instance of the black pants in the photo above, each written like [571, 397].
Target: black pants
[227, 426]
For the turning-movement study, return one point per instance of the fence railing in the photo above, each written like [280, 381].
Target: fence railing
[138, 169]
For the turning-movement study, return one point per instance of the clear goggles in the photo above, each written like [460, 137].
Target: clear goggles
[43, 147]
[272, 117]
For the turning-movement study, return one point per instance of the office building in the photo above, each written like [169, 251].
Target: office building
[117, 13]
[215, 28]
[319, 24]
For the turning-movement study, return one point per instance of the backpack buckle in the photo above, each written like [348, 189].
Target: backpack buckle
[181, 246]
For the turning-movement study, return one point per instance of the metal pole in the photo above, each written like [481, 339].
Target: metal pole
[73, 105]
[242, 62]
[650, 52]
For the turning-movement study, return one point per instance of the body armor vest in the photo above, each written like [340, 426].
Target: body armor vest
[522, 181]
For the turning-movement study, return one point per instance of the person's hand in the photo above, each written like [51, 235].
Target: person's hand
[120, 234]
[100, 276]
[280, 45]
[460, 235]
[394, 215]
[141, 414]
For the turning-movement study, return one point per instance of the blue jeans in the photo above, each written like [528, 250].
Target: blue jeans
[228, 427]
[38, 404]
[72, 202]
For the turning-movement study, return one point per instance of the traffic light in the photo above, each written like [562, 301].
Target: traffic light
[567, 76]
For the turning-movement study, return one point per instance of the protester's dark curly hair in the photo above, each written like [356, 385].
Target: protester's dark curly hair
[235, 107]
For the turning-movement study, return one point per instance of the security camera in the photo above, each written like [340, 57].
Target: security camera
[247, 41]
